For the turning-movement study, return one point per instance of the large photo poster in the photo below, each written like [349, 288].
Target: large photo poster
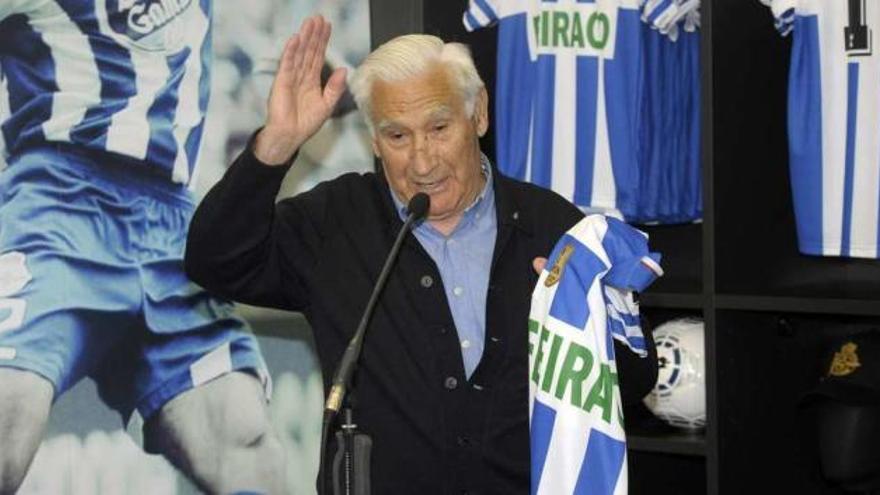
[86, 449]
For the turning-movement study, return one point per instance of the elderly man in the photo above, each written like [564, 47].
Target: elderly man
[442, 385]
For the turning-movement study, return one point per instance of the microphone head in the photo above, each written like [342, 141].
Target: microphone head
[418, 206]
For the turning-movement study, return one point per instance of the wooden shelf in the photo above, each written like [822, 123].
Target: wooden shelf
[671, 300]
[866, 307]
[667, 441]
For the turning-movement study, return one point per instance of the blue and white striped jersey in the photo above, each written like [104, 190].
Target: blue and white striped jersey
[583, 300]
[670, 184]
[129, 77]
[834, 124]
[574, 102]
[567, 96]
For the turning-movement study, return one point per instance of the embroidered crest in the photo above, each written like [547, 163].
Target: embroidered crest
[558, 266]
[845, 361]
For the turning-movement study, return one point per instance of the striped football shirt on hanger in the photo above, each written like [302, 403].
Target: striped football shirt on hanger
[567, 96]
[834, 123]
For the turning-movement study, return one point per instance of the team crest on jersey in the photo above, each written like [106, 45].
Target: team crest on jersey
[845, 361]
[152, 25]
[556, 272]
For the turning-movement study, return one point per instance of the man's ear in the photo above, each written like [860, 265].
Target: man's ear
[481, 112]
[375, 144]
[377, 163]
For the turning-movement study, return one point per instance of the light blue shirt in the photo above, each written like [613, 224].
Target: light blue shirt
[464, 259]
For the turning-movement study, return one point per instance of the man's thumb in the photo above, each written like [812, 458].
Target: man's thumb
[335, 87]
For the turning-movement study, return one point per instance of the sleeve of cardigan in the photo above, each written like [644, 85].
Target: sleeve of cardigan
[636, 375]
[244, 247]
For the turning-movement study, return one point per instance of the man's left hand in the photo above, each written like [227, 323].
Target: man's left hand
[538, 264]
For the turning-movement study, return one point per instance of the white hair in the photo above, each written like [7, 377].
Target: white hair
[412, 55]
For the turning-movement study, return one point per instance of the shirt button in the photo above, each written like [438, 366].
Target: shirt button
[458, 291]
[427, 281]
[465, 343]
[450, 242]
[450, 383]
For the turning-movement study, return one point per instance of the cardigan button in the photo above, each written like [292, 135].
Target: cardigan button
[427, 281]
[450, 383]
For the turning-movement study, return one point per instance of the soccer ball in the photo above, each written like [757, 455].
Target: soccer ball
[679, 397]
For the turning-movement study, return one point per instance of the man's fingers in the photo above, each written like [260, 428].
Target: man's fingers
[313, 46]
[285, 65]
[538, 264]
[305, 36]
[320, 54]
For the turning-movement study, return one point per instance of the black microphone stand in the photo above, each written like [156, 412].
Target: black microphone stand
[418, 208]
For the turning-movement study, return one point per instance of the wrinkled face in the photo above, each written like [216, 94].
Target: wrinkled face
[427, 142]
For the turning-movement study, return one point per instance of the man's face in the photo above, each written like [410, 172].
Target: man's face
[427, 142]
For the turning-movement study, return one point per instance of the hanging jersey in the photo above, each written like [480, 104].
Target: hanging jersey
[567, 96]
[834, 123]
[670, 189]
[129, 77]
[581, 304]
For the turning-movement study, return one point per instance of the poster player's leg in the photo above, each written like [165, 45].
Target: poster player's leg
[25, 399]
[203, 384]
[220, 435]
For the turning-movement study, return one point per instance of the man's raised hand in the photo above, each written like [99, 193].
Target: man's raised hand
[298, 105]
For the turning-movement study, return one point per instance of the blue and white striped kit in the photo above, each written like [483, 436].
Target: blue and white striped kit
[583, 301]
[834, 124]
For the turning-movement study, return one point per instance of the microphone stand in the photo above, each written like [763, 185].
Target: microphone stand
[418, 208]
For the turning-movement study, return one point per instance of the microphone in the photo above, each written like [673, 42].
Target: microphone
[418, 208]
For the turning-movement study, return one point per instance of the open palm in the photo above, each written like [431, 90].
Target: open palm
[298, 105]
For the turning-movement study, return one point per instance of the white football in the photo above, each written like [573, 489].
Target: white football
[679, 397]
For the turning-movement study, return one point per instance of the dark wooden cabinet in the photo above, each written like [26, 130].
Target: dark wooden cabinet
[770, 313]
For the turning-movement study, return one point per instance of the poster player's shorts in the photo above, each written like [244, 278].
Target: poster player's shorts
[92, 283]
